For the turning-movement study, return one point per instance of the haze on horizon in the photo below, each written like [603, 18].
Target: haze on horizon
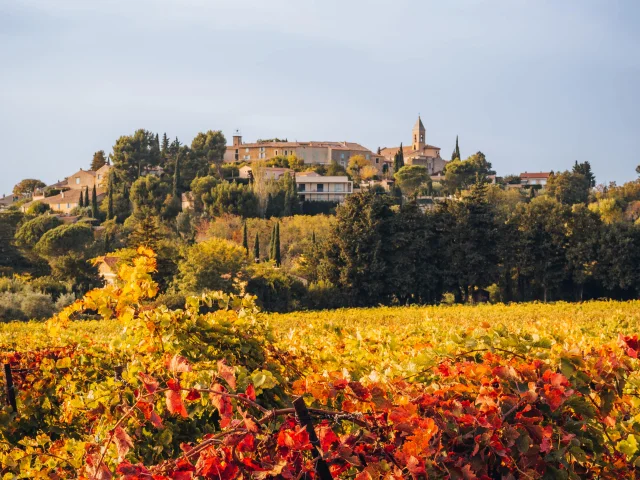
[535, 85]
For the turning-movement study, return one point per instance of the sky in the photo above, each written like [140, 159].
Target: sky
[533, 84]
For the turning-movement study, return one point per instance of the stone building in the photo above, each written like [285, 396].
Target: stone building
[322, 153]
[418, 153]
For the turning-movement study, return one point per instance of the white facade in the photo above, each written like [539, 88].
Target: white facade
[313, 188]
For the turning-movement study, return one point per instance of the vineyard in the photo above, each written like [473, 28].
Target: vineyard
[218, 390]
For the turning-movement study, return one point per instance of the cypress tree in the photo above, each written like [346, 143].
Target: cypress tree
[110, 199]
[176, 177]
[276, 245]
[245, 238]
[272, 241]
[456, 151]
[86, 197]
[256, 248]
[313, 237]
[165, 143]
[81, 201]
[398, 160]
[94, 203]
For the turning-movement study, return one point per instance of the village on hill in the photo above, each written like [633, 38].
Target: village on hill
[324, 171]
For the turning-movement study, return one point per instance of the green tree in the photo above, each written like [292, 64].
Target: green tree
[31, 231]
[94, 203]
[276, 246]
[336, 170]
[357, 163]
[202, 192]
[86, 197]
[81, 201]
[584, 168]
[99, 160]
[64, 239]
[148, 195]
[164, 147]
[211, 265]
[233, 198]
[541, 261]
[398, 159]
[176, 178]
[135, 154]
[27, 186]
[110, 188]
[583, 234]
[461, 174]
[146, 230]
[569, 188]
[38, 208]
[357, 250]
[209, 147]
[256, 248]
[245, 238]
[411, 178]
[619, 257]
[456, 151]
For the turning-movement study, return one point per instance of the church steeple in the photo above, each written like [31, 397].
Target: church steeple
[419, 135]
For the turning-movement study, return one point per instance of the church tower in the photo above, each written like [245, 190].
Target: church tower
[419, 134]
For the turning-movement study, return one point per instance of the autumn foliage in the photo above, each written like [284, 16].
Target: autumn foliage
[206, 392]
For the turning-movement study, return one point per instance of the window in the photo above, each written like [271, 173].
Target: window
[58, 206]
[338, 187]
[68, 205]
[237, 155]
[77, 180]
[246, 150]
[320, 187]
[367, 156]
[302, 187]
[342, 156]
[276, 153]
[377, 161]
[247, 157]
[286, 153]
[99, 176]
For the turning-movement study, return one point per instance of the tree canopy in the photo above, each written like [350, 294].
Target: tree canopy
[27, 186]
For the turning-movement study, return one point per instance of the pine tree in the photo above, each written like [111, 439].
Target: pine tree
[94, 203]
[110, 199]
[456, 151]
[245, 238]
[256, 248]
[176, 177]
[81, 201]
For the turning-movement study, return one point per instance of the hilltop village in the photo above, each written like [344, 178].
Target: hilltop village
[323, 171]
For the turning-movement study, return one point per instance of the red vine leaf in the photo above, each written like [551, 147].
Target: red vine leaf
[123, 442]
[150, 383]
[175, 404]
[178, 364]
[222, 403]
[227, 373]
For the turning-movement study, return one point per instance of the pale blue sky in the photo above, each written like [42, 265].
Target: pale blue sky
[534, 84]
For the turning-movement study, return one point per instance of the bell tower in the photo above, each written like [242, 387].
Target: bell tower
[419, 134]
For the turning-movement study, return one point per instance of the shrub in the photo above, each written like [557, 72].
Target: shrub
[36, 305]
[173, 301]
[324, 295]
[276, 290]
[64, 300]
[30, 232]
[49, 286]
[211, 265]
[38, 208]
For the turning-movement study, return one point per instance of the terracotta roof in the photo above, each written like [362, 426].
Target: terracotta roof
[310, 144]
[535, 175]
[70, 196]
